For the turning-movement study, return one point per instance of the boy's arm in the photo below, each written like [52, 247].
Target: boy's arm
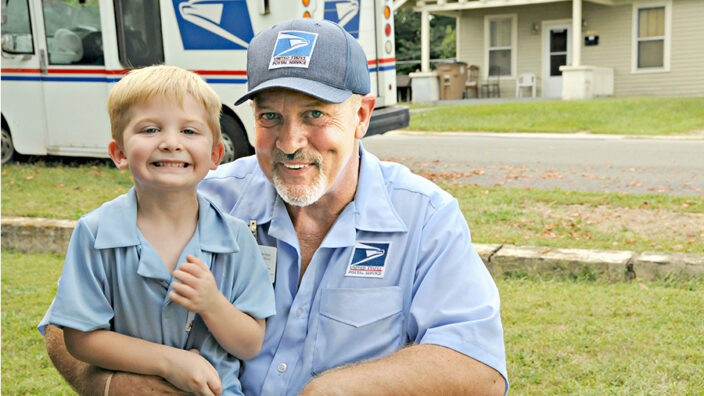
[197, 292]
[115, 351]
[89, 380]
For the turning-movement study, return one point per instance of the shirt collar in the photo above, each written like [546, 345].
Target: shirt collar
[374, 210]
[118, 225]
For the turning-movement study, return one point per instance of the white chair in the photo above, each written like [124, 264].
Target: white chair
[65, 47]
[525, 80]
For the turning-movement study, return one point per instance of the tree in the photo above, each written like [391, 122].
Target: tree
[443, 40]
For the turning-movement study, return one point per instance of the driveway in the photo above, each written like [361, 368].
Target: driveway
[580, 162]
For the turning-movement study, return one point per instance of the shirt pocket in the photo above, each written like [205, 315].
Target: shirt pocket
[357, 324]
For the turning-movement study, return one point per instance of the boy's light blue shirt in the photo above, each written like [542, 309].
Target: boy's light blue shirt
[434, 288]
[114, 279]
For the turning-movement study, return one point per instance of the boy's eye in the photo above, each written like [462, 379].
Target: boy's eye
[150, 130]
[188, 131]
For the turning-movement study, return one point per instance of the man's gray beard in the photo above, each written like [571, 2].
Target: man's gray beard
[310, 194]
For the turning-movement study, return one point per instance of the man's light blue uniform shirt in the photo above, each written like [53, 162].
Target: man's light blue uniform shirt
[434, 288]
[114, 279]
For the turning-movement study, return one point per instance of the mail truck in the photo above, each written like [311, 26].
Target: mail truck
[60, 58]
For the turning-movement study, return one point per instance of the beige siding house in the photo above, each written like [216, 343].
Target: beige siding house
[579, 48]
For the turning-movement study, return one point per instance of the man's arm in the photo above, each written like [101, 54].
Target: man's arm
[90, 380]
[416, 370]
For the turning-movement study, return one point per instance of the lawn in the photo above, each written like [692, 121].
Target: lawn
[552, 218]
[562, 337]
[629, 116]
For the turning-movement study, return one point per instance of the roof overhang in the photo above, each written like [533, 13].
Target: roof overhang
[458, 5]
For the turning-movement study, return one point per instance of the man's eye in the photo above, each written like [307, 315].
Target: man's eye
[316, 113]
[269, 116]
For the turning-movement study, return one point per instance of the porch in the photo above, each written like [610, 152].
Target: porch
[508, 39]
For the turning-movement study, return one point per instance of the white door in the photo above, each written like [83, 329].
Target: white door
[557, 51]
[22, 95]
[75, 82]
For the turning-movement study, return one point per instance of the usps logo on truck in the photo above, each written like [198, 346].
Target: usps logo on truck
[293, 49]
[368, 259]
[345, 13]
[213, 24]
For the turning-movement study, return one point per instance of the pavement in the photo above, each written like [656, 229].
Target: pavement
[37, 235]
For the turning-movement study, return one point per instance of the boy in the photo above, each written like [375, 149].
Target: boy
[161, 271]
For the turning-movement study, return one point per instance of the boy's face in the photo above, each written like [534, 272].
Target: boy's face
[167, 146]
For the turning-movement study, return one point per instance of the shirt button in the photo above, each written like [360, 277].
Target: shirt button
[282, 367]
[299, 312]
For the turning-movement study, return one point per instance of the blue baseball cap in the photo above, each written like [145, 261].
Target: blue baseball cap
[315, 57]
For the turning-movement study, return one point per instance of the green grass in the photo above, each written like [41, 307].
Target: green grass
[28, 285]
[562, 337]
[630, 116]
[58, 191]
[552, 218]
[591, 338]
[569, 219]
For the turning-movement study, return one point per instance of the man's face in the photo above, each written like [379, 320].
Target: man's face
[304, 145]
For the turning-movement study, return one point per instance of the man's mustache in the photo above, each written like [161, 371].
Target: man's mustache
[299, 155]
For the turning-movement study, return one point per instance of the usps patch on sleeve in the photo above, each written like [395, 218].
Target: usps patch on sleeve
[293, 49]
[368, 259]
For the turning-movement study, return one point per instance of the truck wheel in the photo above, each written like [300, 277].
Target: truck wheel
[234, 138]
[8, 149]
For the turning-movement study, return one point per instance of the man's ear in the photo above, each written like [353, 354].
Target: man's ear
[364, 114]
[216, 155]
[117, 154]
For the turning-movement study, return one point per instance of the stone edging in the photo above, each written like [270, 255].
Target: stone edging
[46, 235]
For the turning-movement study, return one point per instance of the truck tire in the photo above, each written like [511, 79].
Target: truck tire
[234, 138]
[8, 149]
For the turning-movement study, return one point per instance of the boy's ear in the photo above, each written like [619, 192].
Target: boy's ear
[118, 156]
[216, 155]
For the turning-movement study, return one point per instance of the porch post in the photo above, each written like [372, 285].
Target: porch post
[576, 32]
[424, 41]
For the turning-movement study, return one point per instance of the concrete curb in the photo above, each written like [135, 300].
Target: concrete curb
[26, 234]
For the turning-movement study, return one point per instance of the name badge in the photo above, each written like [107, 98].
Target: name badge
[268, 253]
[368, 260]
[269, 256]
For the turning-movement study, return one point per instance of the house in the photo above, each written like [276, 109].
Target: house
[577, 48]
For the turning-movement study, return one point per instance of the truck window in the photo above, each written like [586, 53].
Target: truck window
[139, 39]
[73, 35]
[16, 28]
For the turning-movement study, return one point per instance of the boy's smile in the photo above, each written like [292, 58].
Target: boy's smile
[167, 146]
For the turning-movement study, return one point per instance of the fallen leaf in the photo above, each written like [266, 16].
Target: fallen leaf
[61, 185]
[677, 247]
[28, 178]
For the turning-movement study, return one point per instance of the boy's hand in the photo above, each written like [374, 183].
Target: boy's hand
[196, 290]
[189, 371]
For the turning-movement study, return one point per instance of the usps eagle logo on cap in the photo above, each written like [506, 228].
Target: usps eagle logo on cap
[368, 259]
[293, 49]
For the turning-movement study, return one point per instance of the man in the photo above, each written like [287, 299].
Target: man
[378, 288]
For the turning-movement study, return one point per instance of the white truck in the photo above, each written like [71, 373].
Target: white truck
[60, 58]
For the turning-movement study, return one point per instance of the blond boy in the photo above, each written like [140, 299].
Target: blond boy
[160, 273]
